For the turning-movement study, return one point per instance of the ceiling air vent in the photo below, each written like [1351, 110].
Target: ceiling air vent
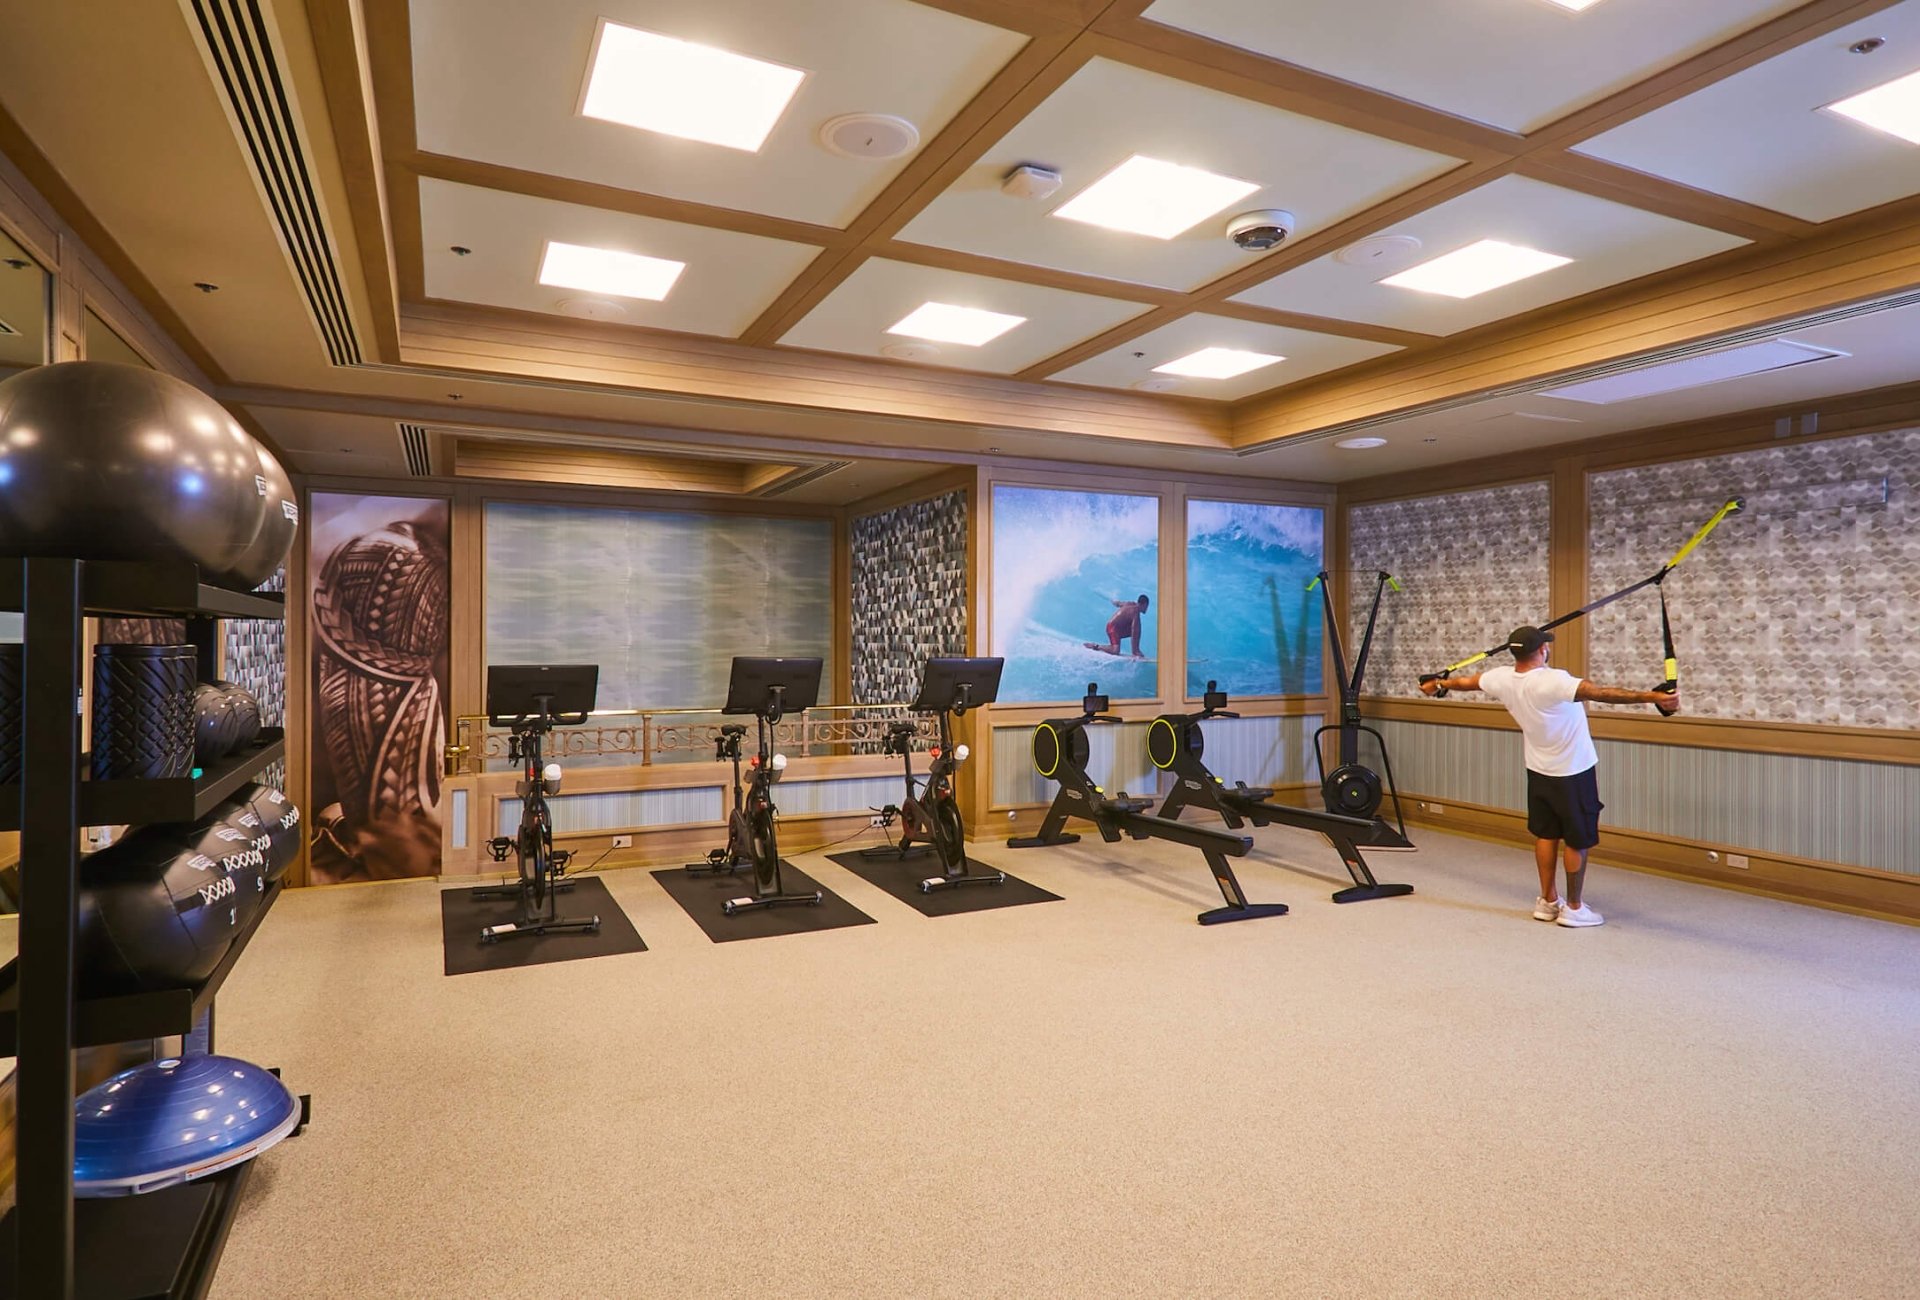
[793, 481]
[236, 42]
[413, 441]
[1693, 372]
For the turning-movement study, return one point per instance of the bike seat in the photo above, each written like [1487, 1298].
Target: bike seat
[901, 728]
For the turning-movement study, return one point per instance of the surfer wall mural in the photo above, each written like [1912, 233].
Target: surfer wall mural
[1076, 582]
[1252, 625]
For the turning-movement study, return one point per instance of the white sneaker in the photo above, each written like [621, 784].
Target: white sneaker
[1579, 916]
[1545, 910]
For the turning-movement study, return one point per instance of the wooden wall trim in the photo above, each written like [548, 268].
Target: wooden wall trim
[1794, 739]
[1883, 894]
[575, 353]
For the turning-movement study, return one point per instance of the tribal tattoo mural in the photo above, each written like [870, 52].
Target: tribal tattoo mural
[379, 649]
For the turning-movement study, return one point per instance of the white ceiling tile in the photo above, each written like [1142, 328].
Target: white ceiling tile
[730, 278]
[1763, 136]
[855, 317]
[1307, 354]
[1608, 242]
[1105, 114]
[1515, 64]
[500, 81]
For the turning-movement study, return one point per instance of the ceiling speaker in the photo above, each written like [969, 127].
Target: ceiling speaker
[869, 136]
[590, 309]
[1381, 253]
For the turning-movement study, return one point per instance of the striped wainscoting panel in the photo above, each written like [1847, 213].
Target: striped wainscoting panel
[613, 810]
[1794, 806]
[1117, 760]
[797, 798]
[1261, 751]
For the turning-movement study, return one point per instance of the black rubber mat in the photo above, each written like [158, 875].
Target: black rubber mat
[901, 877]
[462, 916]
[702, 896]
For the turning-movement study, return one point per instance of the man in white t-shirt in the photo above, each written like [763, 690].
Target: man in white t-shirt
[1563, 792]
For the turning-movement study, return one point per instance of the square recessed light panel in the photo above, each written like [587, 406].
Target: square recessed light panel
[608, 272]
[1146, 196]
[1515, 64]
[1221, 358]
[1606, 244]
[1107, 116]
[943, 322]
[1479, 267]
[971, 322]
[507, 83]
[1816, 132]
[681, 88]
[601, 265]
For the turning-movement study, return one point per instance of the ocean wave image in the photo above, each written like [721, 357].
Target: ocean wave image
[1252, 625]
[1066, 565]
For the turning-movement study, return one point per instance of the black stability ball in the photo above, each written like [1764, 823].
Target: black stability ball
[160, 908]
[281, 819]
[109, 462]
[275, 538]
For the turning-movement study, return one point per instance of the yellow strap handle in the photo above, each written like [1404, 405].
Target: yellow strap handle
[1732, 507]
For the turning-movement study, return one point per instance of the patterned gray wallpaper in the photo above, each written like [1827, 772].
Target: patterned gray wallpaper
[1797, 609]
[1472, 565]
[256, 658]
[909, 595]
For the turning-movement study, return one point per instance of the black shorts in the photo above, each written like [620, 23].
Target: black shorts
[1565, 807]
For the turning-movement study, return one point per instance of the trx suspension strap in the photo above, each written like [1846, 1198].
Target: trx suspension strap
[1657, 579]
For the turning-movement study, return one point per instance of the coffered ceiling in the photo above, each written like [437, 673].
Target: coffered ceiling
[1675, 167]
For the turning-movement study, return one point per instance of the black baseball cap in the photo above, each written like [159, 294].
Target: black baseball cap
[1526, 639]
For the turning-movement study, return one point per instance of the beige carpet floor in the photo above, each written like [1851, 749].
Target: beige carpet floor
[1712, 1095]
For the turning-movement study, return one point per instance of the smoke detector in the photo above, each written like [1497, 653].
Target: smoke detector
[910, 351]
[869, 136]
[1381, 253]
[591, 309]
[1030, 182]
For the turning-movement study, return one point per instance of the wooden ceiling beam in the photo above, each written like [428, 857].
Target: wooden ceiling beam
[1215, 65]
[1855, 261]
[1788, 31]
[1042, 66]
[564, 189]
[1293, 253]
[1656, 194]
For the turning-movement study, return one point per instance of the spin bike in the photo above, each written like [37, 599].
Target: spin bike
[739, 851]
[929, 816]
[532, 700]
[768, 689]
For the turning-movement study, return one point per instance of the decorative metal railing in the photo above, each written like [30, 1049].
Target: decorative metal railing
[644, 736]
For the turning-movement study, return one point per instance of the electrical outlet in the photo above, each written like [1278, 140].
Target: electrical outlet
[623, 841]
[1737, 860]
[1436, 809]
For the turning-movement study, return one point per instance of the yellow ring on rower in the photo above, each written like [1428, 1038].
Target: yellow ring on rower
[1058, 749]
[1173, 744]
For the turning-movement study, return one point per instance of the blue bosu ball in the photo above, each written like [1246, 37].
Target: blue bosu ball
[172, 1121]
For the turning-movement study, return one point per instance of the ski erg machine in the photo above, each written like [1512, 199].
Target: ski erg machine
[1353, 789]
